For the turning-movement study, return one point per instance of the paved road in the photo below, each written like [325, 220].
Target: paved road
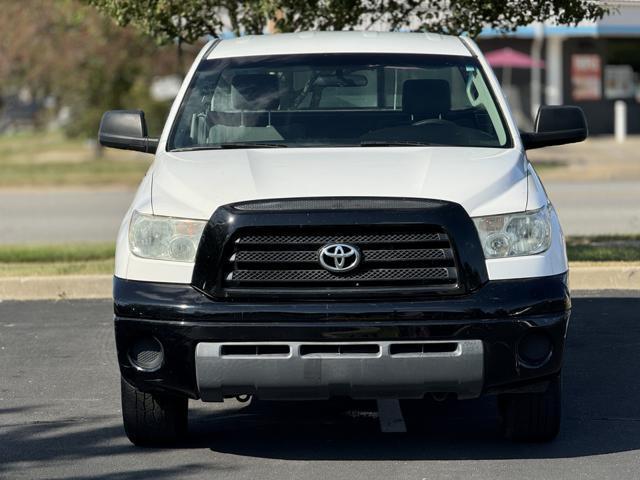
[77, 216]
[596, 208]
[60, 414]
[61, 216]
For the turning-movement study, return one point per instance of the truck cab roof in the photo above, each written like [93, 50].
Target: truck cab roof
[340, 42]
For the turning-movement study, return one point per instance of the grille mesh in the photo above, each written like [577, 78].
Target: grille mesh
[324, 275]
[146, 353]
[413, 254]
[147, 357]
[311, 256]
[276, 256]
[391, 257]
[329, 238]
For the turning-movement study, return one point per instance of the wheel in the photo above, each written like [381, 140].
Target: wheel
[532, 417]
[153, 419]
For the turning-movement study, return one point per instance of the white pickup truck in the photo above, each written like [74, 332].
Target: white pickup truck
[340, 214]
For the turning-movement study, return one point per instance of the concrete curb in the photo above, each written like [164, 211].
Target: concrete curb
[583, 276]
[56, 287]
[616, 276]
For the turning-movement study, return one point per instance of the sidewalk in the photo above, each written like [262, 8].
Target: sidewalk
[583, 276]
[597, 158]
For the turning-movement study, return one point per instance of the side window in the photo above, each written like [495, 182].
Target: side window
[301, 97]
[396, 76]
[480, 97]
[195, 108]
[458, 84]
[221, 98]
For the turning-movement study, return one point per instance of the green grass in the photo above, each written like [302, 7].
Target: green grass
[93, 173]
[82, 252]
[604, 248]
[37, 260]
[50, 159]
[546, 165]
[35, 269]
[30, 143]
[97, 258]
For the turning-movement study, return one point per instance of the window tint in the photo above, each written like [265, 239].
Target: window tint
[339, 100]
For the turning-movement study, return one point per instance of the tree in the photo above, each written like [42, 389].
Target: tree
[184, 21]
[72, 54]
[189, 20]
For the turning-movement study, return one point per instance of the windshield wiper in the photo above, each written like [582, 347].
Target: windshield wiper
[394, 143]
[231, 145]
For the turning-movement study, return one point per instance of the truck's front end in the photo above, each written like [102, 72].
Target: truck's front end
[343, 214]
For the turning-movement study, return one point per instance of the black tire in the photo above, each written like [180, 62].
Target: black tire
[153, 419]
[532, 417]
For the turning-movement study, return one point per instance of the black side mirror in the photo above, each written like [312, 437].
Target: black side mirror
[126, 129]
[556, 125]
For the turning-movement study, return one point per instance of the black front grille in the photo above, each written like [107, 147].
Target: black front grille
[320, 239]
[391, 257]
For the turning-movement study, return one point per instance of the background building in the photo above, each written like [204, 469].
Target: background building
[591, 65]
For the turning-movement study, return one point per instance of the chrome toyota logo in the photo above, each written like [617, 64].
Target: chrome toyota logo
[339, 257]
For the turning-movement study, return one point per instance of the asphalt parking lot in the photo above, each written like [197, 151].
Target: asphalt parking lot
[60, 414]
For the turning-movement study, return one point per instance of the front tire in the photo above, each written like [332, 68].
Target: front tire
[532, 417]
[153, 419]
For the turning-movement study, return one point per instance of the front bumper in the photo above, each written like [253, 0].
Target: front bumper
[485, 328]
[307, 370]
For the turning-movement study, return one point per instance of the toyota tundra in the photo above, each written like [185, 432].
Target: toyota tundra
[346, 214]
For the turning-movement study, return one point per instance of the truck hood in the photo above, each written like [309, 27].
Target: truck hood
[484, 181]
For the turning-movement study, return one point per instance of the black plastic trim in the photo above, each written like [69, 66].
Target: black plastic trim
[500, 314]
[335, 203]
[499, 336]
[127, 130]
[228, 221]
[496, 299]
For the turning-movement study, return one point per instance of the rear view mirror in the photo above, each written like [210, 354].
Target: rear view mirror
[350, 80]
[556, 125]
[126, 129]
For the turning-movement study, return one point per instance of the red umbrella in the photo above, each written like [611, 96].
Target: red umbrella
[510, 58]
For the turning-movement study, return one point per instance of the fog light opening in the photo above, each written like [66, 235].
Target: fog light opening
[535, 349]
[146, 354]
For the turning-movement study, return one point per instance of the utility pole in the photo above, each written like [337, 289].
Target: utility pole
[536, 71]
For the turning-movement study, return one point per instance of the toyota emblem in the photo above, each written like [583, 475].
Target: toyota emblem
[339, 257]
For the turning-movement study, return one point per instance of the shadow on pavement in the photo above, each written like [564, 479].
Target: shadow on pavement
[601, 415]
[73, 441]
[601, 410]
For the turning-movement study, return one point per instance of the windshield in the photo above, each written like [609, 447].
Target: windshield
[334, 100]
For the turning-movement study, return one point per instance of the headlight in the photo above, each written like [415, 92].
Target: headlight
[164, 238]
[515, 234]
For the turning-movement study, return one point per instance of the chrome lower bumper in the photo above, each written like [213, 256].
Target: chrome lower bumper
[304, 370]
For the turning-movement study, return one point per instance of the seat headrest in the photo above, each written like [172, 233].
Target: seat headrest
[426, 97]
[255, 91]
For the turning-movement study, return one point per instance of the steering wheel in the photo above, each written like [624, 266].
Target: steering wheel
[434, 121]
